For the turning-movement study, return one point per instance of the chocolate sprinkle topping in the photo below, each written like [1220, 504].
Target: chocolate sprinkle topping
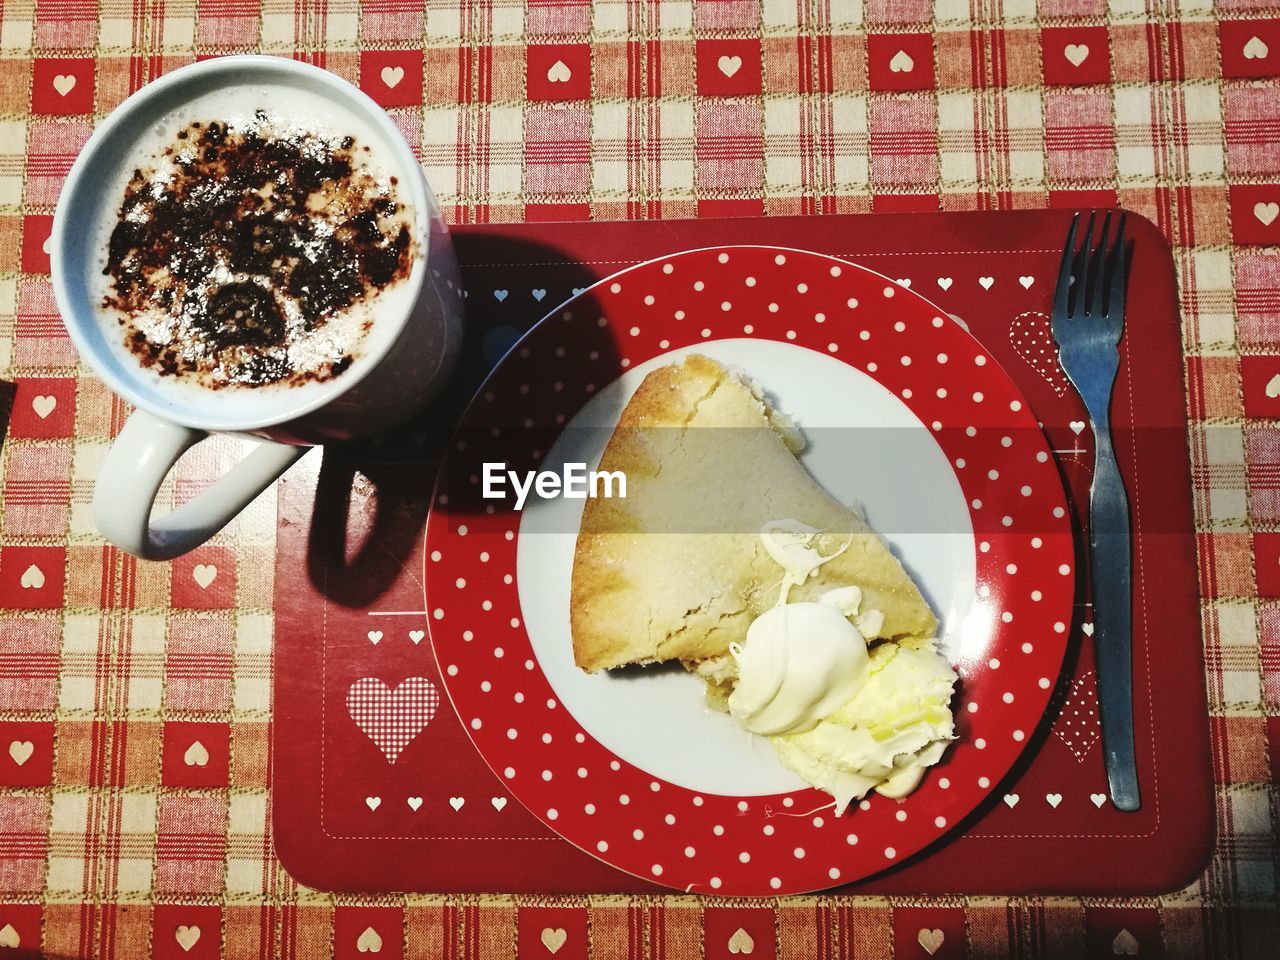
[243, 241]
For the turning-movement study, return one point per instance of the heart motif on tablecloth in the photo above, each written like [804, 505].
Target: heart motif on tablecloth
[1256, 49]
[187, 936]
[370, 941]
[1125, 944]
[553, 938]
[729, 65]
[204, 574]
[1077, 721]
[741, 942]
[21, 751]
[1032, 340]
[902, 62]
[391, 718]
[196, 755]
[930, 940]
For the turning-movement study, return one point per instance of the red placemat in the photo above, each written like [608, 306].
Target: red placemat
[349, 599]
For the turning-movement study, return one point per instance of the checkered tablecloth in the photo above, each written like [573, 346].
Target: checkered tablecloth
[119, 839]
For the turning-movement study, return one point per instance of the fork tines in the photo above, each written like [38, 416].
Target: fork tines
[1091, 279]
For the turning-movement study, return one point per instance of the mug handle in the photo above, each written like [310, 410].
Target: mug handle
[137, 463]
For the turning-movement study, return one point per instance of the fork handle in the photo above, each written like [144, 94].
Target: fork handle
[1110, 568]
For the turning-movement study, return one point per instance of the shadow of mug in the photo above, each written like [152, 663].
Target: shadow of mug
[372, 498]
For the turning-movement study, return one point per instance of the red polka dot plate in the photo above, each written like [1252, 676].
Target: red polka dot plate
[905, 414]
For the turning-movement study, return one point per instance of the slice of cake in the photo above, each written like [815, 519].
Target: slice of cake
[728, 556]
[677, 570]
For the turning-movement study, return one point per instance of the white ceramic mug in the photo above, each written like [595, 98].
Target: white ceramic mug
[405, 359]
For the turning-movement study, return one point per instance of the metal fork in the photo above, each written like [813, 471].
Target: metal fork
[1088, 320]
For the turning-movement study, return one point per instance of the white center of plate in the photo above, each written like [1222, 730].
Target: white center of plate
[883, 458]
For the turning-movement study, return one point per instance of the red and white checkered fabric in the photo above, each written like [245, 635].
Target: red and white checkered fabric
[117, 840]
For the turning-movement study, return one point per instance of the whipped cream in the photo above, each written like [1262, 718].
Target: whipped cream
[847, 719]
[801, 661]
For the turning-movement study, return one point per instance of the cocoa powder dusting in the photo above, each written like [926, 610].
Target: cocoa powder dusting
[242, 243]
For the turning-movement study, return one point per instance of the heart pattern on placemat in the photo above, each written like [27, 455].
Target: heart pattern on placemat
[1033, 341]
[1077, 723]
[392, 718]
